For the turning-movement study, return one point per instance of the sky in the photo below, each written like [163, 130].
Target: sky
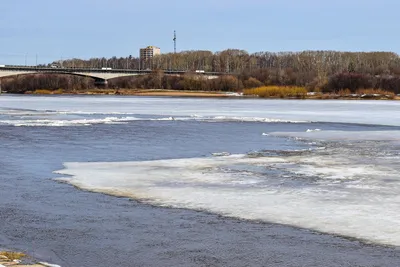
[43, 31]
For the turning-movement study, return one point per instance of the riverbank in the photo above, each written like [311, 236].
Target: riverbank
[296, 92]
[12, 258]
[350, 97]
[218, 94]
[135, 92]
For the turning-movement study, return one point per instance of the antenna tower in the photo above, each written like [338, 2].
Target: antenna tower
[174, 42]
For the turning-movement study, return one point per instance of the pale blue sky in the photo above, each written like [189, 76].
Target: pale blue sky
[55, 29]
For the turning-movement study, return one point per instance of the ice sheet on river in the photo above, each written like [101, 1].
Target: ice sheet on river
[350, 189]
[342, 135]
[365, 112]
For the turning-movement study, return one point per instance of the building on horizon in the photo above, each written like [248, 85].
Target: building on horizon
[149, 52]
[146, 55]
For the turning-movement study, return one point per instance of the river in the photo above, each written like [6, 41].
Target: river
[163, 181]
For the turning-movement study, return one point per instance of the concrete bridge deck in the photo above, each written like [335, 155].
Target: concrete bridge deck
[98, 74]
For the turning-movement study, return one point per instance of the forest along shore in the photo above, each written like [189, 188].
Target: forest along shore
[328, 72]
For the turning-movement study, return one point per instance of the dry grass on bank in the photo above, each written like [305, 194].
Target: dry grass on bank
[11, 258]
[47, 92]
[10, 255]
[277, 92]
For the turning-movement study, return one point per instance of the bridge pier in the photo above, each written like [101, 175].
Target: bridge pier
[100, 83]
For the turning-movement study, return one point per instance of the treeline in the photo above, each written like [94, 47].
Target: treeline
[191, 81]
[27, 83]
[355, 81]
[327, 71]
[321, 63]
[155, 80]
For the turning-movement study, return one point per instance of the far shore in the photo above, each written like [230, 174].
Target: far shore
[188, 93]
[136, 92]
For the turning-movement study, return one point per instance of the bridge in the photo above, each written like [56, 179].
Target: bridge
[101, 76]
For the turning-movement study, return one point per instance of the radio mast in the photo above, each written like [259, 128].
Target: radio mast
[174, 42]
